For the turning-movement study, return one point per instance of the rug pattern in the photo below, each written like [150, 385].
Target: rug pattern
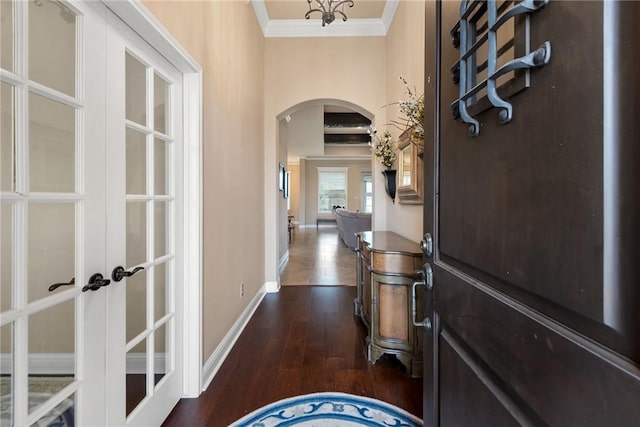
[329, 410]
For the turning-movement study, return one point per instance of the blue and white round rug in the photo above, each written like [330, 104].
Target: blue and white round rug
[329, 410]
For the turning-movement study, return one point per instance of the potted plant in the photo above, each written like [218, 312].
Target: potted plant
[412, 121]
[384, 148]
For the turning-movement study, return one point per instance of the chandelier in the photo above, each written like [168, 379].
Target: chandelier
[328, 8]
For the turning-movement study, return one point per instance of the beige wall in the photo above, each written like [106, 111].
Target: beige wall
[363, 71]
[306, 133]
[354, 185]
[349, 151]
[299, 201]
[250, 84]
[294, 194]
[224, 37]
[405, 57]
[304, 69]
[283, 239]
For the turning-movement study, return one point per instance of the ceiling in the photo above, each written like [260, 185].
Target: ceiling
[285, 18]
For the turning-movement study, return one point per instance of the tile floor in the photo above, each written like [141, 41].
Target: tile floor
[319, 257]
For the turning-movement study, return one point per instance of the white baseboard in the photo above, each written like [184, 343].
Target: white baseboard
[283, 261]
[221, 352]
[64, 363]
[49, 364]
[137, 363]
[272, 287]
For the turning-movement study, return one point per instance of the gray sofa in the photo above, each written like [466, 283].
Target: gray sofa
[350, 223]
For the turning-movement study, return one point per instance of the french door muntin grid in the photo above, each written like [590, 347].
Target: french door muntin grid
[20, 198]
[80, 202]
[150, 199]
[22, 311]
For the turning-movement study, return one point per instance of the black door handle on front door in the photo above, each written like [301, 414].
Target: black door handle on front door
[96, 282]
[120, 273]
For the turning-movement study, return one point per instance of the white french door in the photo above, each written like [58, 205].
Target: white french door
[89, 158]
[142, 129]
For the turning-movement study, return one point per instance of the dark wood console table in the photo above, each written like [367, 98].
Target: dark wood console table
[387, 266]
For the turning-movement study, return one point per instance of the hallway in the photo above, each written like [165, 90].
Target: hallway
[302, 340]
[319, 257]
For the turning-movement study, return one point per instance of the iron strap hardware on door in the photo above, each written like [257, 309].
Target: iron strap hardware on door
[96, 282]
[427, 280]
[466, 69]
[120, 273]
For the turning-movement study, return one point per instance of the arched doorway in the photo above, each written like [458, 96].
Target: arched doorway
[318, 134]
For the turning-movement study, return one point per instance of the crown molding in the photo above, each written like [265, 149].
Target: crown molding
[388, 13]
[260, 9]
[313, 28]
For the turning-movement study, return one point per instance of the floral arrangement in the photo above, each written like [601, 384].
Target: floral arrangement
[384, 148]
[413, 111]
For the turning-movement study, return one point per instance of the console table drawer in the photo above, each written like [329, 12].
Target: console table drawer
[395, 263]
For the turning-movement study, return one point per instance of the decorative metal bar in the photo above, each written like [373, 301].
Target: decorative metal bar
[455, 35]
[504, 48]
[474, 125]
[525, 6]
[538, 57]
[474, 90]
[472, 50]
[506, 110]
[465, 70]
[455, 68]
[455, 31]
[467, 7]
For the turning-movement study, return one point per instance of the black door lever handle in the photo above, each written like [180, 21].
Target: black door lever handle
[120, 273]
[96, 282]
[57, 285]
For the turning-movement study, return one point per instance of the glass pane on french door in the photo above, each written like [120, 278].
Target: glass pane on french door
[42, 204]
[149, 235]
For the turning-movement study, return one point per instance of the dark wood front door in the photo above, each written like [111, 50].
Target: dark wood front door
[536, 262]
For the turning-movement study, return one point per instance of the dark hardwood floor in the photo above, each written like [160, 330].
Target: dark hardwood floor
[302, 340]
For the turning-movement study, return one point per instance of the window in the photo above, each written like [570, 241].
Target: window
[332, 188]
[367, 193]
